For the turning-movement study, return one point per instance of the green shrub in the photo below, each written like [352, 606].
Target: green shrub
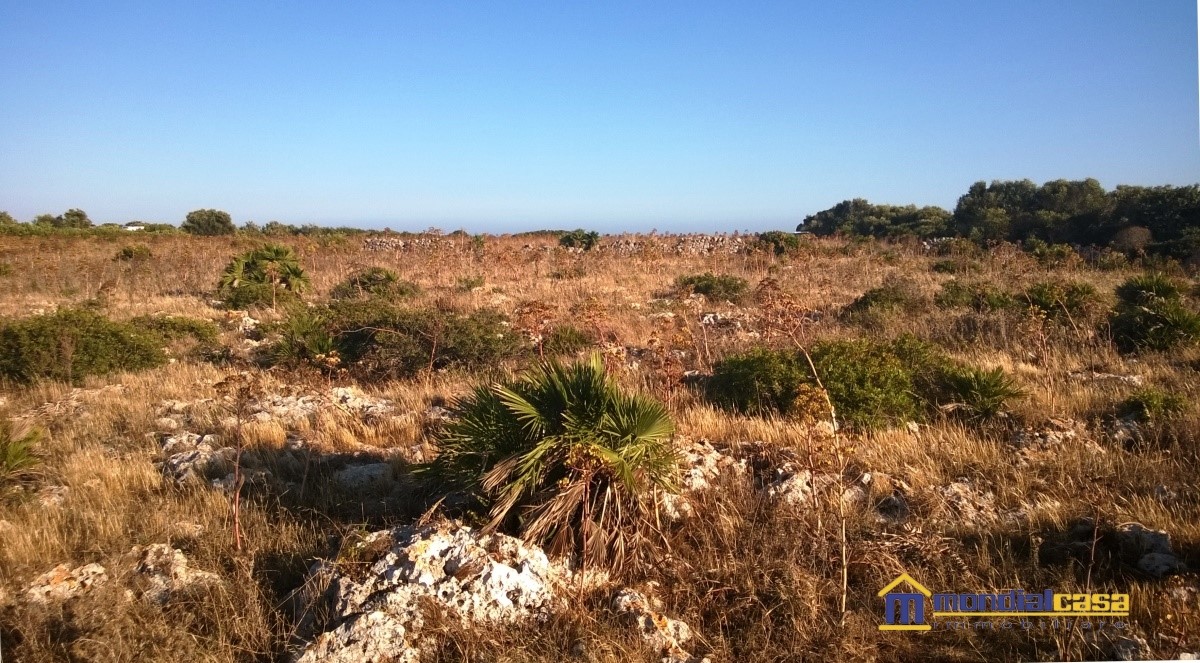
[869, 384]
[1161, 326]
[715, 287]
[573, 271]
[468, 283]
[1108, 260]
[893, 295]
[304, 338]
[779, 242]
[1050, 255]
[173, 328]
[1151, 404]
[872, 384]
[135, 253]
[980, 296]
[1151, 315]
[71, 344]
[374, 282]
[955, 266]
[958, 247]
[16, 450]
[566, 340]
[1146, 289]
[758, 382]
[979, 393]
[579, 239]
[565, 457]
[1062, 300]
[380, 340]
[270, 274]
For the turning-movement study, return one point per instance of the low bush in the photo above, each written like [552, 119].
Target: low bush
[468, 283]
[566, 340]
[1069, 301]
[716, 287]
[979, 393]
[779, 242]
[135, 253]
[173, 328]
[1051, 255]
[380, 340]
[758, 382]
[955, 266]
[304, 338]
[1152, 315]
[959, 247]
[1147, 289]
[872, 384]
[71, 344]
[1108, 260]
[980, 296]
[1151, 404]
[374, 282]
[893, 295]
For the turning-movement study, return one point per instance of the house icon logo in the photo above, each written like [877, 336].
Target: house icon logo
[904, 610]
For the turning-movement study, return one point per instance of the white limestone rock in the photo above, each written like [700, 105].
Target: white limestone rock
[665, 635]
[63, 583]
[164, 572]
[481, 579]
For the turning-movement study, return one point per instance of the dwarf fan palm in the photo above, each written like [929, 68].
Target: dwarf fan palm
[272, 265]
[566, 457]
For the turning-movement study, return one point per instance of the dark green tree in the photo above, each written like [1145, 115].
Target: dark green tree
[580, 239]
[208, 222]
[860, 217]
[74, 218]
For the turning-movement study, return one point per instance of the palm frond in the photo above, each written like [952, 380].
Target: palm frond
[568, 453]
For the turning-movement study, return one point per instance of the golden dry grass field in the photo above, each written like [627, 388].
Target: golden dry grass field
[1038, 496]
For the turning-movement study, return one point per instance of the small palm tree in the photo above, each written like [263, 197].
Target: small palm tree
[16, 450]
[981, 393]
[271, 265]
[565, 457]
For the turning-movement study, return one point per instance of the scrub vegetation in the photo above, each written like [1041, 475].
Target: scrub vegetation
[996, 410]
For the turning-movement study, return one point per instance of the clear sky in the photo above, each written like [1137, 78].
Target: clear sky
[611, 115]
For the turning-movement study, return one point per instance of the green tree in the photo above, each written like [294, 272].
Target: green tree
[859, 217]
[208, 222]
[580, 239]
[74, 218]
[7, 219]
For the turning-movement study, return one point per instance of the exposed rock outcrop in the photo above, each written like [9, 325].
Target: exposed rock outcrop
[478, 579]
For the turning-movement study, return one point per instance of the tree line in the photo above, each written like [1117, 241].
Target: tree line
[1160, 220]
[207, 222]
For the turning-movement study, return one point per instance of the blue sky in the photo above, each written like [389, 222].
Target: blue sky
[615, 116]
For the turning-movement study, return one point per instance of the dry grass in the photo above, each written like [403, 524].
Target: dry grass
[756, 580]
